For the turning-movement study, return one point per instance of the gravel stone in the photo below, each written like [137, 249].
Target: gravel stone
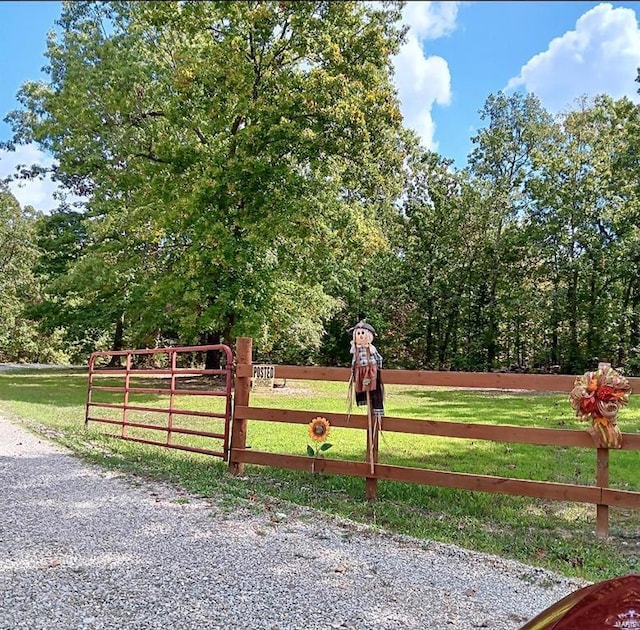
[83, 547]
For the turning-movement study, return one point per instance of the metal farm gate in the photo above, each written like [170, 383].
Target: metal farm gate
[155, 393]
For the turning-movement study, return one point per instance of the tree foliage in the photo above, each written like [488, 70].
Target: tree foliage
[20, 290]
[234, 153]
[246, 172]
[528, 259]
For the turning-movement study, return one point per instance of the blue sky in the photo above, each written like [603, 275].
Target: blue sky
[456, 54]
[491, 43]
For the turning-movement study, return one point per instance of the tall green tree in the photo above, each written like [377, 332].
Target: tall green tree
[433, 259]
[234, 154]
[623, 188]
[74, 283]
[579, 215]
[20, 339]
[516, 125]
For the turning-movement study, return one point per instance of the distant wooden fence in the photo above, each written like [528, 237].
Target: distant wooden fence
[601, 494]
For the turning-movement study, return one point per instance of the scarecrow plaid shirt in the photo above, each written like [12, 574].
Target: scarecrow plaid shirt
[362, 355]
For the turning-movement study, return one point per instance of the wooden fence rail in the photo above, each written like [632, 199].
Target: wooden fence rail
[600, 494]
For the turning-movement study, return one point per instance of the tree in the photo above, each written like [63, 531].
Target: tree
[582, 217]
[432, 261]
[502, 161]
[233, 152]
[74, 285]
[19, 288]
[622, 186]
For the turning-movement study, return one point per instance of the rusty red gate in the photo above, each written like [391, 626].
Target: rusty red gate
[178, 436]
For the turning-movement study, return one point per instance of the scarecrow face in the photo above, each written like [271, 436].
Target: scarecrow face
[362, 336]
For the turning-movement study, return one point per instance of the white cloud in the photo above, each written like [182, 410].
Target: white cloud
[423, 81]
[37, 192]
[601, 55]
[430, 20]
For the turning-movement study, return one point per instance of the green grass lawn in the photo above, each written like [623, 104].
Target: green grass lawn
[556, 535]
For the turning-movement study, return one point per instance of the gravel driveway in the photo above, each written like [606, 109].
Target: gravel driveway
[81, 547]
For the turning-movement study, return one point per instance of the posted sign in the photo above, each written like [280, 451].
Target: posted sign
[263, 376]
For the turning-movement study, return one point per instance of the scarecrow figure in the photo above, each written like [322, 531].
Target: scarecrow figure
[366, 379]
[366, 364]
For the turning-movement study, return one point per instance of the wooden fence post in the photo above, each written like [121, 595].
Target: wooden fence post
[602, 480]
[371, 483]
[240, 399]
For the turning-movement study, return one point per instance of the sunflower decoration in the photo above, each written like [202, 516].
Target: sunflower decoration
[598, 396]
[318, 429]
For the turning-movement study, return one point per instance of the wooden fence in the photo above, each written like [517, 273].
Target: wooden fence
[600, 494]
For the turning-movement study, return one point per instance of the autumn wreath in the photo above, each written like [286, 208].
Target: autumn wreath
[598, 396]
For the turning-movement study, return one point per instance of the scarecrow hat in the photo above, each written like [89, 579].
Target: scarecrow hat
[363, 324]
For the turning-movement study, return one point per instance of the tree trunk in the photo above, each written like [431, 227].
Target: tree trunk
[518, 343]
[212, 357]
[634, 328]
[594, 343]
[448, 340]
[573, 356]
[229, 337]
[118, 342]
[492, 336]
[622, 325]
[555, 324]
[428, 345]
